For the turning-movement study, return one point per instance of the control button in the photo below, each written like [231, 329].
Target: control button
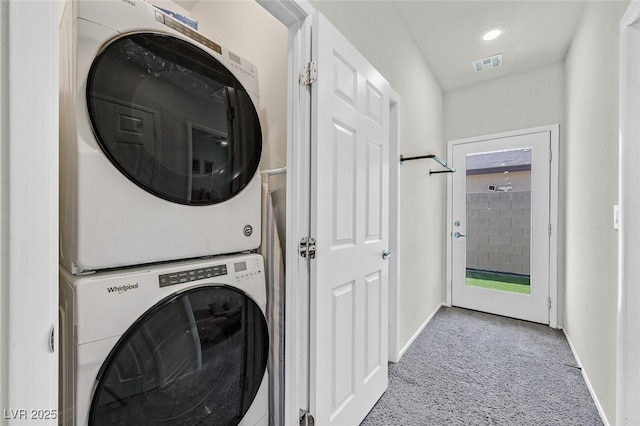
[159, 17]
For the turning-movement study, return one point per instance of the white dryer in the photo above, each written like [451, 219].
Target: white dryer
[160, 140]
[178, 344]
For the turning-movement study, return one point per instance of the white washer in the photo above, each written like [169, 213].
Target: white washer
[160, 140]
[178, 344]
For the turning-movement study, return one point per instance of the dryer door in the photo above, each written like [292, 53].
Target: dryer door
[197, 357]
[173, 119]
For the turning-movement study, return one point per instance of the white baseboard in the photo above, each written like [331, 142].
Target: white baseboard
[586, 379]
[417, 333]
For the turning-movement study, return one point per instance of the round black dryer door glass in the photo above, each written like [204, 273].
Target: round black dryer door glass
[196, 358]
[173, 119]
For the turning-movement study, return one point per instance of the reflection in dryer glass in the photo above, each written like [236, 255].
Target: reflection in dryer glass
[173, 119]
[198, 358]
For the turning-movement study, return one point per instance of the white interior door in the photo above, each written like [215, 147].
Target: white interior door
[500, 235]
[349, 219]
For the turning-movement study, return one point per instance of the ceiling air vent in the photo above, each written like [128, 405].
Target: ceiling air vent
[494, 61]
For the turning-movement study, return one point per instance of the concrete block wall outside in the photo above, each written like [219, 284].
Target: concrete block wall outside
[499, 231]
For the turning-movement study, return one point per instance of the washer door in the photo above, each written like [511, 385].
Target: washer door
[197, 357]
[173, 119]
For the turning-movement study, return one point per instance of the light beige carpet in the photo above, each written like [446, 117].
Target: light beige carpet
[471, 368]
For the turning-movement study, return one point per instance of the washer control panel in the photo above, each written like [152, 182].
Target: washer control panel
[247, 270]
[181, 277]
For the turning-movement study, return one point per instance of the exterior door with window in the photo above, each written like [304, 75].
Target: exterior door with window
[500, 239]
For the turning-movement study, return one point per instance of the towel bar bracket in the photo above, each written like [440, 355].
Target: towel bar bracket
[435, 158]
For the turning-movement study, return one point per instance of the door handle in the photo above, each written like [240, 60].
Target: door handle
[386, 255]
[459, 235]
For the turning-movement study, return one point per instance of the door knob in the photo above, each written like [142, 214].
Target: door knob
[459, 235]
[386, 255]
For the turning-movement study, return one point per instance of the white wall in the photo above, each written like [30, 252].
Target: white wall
[529, 99]
[589, 172]
[525, 100]
[422, 198]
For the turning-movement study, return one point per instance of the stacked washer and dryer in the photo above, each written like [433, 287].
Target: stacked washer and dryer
[162, 296]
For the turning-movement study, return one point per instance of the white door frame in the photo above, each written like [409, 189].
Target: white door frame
[294, 14]
[394, 225]
[29, 207]
[628, 347]
[553, 213]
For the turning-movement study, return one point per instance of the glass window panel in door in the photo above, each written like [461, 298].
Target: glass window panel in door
[499, 220]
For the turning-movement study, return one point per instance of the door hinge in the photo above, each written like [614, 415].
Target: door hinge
[307, 248]
[550, 227]
[549, 302]
[309, 74]
[306, 419]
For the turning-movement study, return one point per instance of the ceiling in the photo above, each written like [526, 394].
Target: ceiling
[449, 35]
[449, 32]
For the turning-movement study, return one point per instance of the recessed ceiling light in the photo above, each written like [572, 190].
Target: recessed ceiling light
[492, 34]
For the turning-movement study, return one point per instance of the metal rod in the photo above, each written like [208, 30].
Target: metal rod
[435, 172]
[442, 163]
[273, 172]
[433, 157]
[419, 157]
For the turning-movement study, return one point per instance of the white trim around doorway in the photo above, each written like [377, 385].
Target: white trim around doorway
[628, 343]
[395, 352]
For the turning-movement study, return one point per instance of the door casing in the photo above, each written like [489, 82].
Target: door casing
[628, 347]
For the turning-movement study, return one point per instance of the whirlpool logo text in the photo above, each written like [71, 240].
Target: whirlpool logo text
[119, 289]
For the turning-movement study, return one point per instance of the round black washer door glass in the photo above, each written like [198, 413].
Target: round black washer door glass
[198, 357]
[173, 119]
